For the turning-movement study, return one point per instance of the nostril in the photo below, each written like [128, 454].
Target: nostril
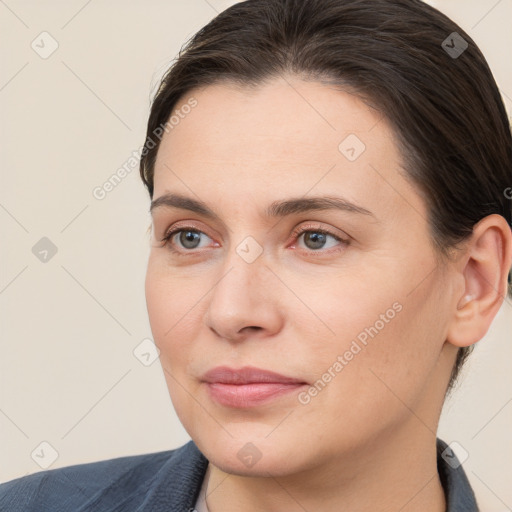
[250, 328]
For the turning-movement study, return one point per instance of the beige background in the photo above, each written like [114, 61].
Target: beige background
[69, 326]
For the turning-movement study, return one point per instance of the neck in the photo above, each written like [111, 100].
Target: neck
[398, 472]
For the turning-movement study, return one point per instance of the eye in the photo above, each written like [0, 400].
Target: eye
[182, 240]
[186, 238]
[317, 239]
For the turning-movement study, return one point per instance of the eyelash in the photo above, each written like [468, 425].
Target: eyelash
[297, 232]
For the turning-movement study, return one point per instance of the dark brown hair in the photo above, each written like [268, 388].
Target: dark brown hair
[400, 56]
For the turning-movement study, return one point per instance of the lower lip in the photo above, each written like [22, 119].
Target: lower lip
[249, 395]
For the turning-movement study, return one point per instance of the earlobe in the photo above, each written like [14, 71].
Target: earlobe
[484, 267]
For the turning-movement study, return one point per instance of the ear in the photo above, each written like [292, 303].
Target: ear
[484, 266]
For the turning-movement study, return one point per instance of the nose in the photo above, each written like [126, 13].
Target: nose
[244, 302]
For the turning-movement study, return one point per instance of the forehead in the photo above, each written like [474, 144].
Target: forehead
[287, 135]
[283, 115]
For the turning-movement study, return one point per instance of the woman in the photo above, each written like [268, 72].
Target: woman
[331, 236]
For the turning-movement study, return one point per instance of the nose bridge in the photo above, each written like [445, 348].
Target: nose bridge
[242, 297]
[242, 277]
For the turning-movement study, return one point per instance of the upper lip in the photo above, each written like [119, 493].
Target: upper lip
[246, 375]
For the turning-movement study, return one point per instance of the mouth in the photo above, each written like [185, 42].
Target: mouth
[248, 387]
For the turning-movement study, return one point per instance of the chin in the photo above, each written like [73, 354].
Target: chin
[262, 468]
[243, 457]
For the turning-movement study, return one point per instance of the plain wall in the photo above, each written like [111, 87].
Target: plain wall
[70, 325]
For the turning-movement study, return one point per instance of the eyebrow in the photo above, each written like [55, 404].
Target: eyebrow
[276, 209]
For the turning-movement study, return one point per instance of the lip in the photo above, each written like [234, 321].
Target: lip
[248, 386]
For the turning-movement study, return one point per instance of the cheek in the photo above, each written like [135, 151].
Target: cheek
[382, 339]
[402, 350]
[174, 309]
[351, 311]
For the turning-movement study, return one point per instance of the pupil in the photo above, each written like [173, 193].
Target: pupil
[317, 240]
[189, 239]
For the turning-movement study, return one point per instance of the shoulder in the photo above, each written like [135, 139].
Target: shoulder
[458, 492]
[123, 483]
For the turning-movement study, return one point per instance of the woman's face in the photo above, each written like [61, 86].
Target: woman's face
[310, 257]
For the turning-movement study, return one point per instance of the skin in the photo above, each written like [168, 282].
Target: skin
[369, 436]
